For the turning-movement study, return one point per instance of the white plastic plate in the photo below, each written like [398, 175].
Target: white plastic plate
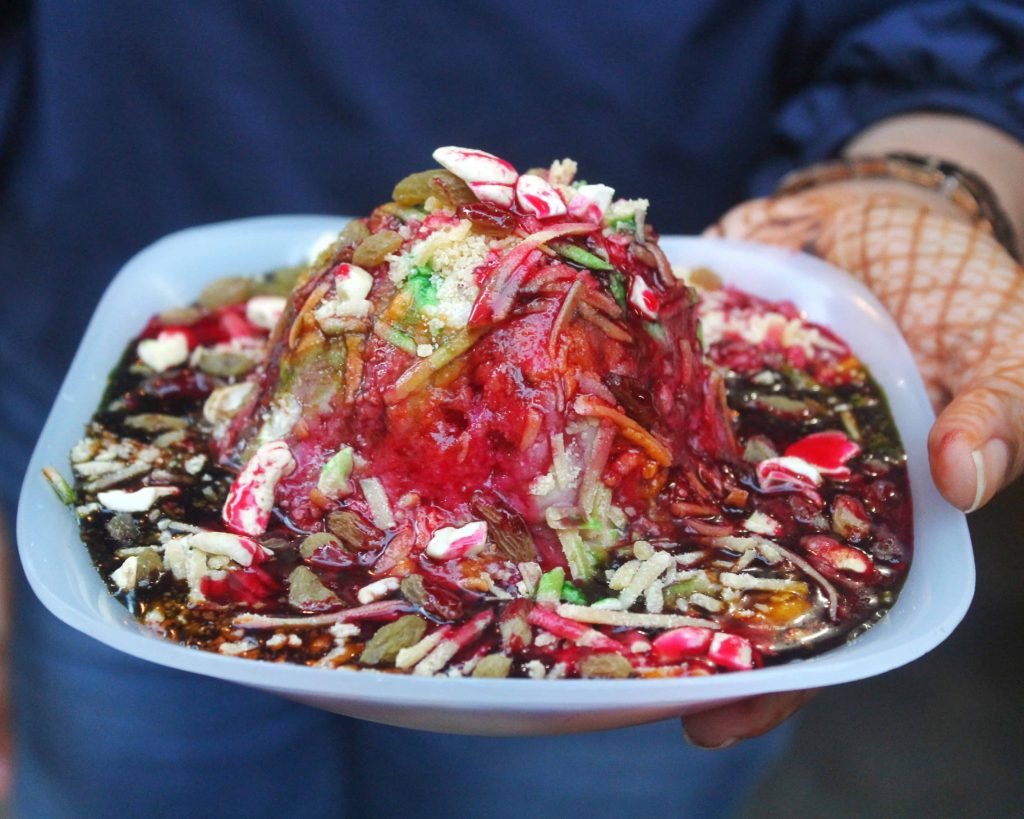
[173, 270]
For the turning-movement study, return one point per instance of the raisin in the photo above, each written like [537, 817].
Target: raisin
[316, 541]
[608, 666]
[225, 291]
[488, 218]
[350, 528]
[384, 646]
[374, 248]
[148, 567]
[432, 599]
[493, 665]
[449, 190]
[354, 232]
[508, 531]
[635, 399]
[223, 363]
[306, 591]
[326, 551]
[414, 188]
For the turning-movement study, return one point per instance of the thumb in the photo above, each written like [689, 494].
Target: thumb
[976, 446]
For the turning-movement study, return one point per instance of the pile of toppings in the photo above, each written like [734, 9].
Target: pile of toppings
[489, 431]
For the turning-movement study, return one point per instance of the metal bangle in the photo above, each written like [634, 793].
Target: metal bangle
[964, 188]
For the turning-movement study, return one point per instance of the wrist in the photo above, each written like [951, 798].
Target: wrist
[984, 150]
[942, 186]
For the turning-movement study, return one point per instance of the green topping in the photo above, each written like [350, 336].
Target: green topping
[623, 225]
[334, 477]
[571, 594]
[581, 559]
[682, 589]
[575, 253]
[656, 331]
[395, 337]
[549, 589]
[420, 285]
[61, 487]
[617, 284]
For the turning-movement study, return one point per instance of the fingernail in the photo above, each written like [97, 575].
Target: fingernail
[990, 462]
[721, 746]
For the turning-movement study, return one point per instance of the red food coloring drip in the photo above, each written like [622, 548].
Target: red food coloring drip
[218, 326]
[249, 586]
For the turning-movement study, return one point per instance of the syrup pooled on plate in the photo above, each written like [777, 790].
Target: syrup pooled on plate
[490, 431]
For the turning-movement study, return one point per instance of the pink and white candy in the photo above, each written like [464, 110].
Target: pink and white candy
[826, 451]
[590, 202]
[491, 178]
[789, 472]
[251, 498]
[465, 541]
[680, 643]
[731, 651]
[535, 195]
[644, 299]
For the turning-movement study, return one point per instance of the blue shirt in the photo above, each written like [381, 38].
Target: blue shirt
[123, 121]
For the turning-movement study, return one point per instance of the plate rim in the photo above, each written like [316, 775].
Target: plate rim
[367, 685]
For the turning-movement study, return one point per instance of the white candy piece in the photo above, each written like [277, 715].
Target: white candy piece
[121, 500]
[762, 524]
[377, 590]
[241, 550]
[352, 285]
[536, 196]
[264, 311]
[449, 543]
[168, 349]
[489, 177]
[251, 498]
[126, 576]
[352, 282]
[590, 202]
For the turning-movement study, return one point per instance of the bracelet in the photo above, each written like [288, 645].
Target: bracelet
[962, 187]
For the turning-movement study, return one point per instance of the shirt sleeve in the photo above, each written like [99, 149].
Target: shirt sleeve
[958, 57]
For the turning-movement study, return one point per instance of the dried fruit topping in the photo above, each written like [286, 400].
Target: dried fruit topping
[384, 646]
[488, 218]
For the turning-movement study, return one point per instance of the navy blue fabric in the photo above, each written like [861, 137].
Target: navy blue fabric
[123, 121]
